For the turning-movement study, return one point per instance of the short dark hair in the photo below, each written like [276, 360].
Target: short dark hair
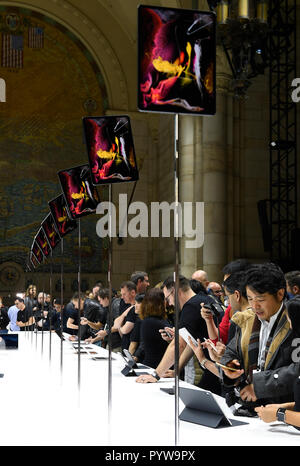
[265, 278]
[197, 286]
[138, 275]
[57, 301]
[103, 293]
[236, 266]
[76, 296]
[293, 278]
[184, 283]
[139, 297]
[21, 300]
[236, 282]
[98, 283]
[129, 285]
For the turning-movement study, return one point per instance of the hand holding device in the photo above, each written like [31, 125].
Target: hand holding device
[185, 334]
[206, 312]
[167, 333]
[232, 369]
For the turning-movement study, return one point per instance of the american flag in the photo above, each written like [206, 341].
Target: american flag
[12, 51]
[35, 37]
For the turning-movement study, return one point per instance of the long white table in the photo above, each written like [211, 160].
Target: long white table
[44, 405]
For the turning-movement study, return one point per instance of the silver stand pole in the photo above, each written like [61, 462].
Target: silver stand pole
[43, 307]
[50, 309]
[176, 271]
[79, 298]
[61, 300]
[109, 277]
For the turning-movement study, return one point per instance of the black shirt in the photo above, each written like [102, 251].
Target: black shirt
[131, 317]
[4, 319]
[135, 334]
[115, 338]
[123, 306]
[31, 303]
[153, 344]
[72, 313]
[191, 319]
[52, 320]
[94, 312]
[24, 316]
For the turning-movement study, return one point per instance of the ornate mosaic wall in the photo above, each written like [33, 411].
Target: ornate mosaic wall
[51, 83]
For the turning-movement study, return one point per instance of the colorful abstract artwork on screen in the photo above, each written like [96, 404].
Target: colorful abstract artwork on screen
[110, 149]
[37, 252]
[176, 60]
[43, 242]
[59, 211]
[33, 260]
[50, 231]
[81, 196]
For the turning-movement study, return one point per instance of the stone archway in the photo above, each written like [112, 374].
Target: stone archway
[48, 92]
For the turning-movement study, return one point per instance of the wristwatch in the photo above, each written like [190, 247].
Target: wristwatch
[280, 414]
[202, 363]
[155, 375]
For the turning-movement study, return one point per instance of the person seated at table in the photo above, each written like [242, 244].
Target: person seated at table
[102, 336]
[58, 315]
[94, 317]
[45, 315]
[125, 322]
[12, 315]
[4, 319]
[25, 319]
[287, 412]
[261, 349]
[136, 347]
[39, 310]
[75, 314]
[190, 318]
[153, 318]
[222, 331]
[235, 290]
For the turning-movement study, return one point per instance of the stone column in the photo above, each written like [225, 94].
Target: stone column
[216, 140]
[204, 146]
[187, 181]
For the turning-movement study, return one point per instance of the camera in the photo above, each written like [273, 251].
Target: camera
[212, 308]
[232, 396]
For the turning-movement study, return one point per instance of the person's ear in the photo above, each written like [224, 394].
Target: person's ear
[280, 294]
[237, 295]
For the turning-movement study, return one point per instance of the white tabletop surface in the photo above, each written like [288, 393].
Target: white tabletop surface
[44, 405]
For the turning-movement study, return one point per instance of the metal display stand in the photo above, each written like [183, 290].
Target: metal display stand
[50, 307]
[109, 401]
[176, 270]
[61, 300]
[79, 302]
